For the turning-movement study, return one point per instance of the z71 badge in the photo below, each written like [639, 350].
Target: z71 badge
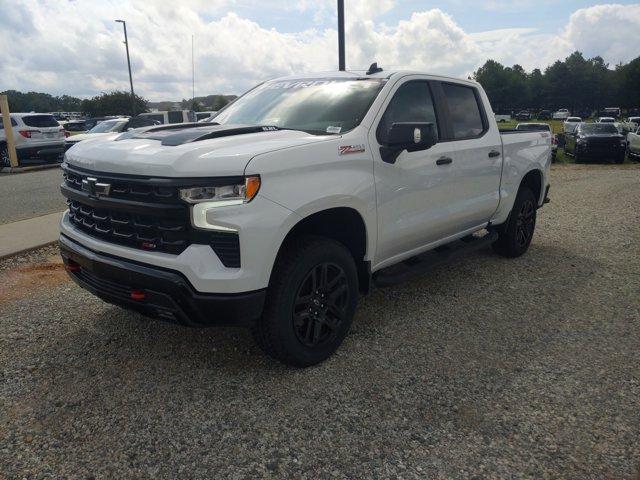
[346, 149]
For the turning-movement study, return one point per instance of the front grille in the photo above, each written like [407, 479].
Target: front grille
[142, 213]
[165, 234]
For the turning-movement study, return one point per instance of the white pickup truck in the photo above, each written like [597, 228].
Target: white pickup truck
[307, 191]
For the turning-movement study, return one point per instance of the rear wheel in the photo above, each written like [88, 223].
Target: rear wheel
[514, 237]
[311, 302]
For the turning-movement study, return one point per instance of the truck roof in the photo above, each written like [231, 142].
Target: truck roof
[385, 74]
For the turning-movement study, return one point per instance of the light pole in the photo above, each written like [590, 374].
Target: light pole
[126, 44]
[341, 62]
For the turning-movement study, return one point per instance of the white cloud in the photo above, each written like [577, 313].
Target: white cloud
[76, 47]
[607, 30]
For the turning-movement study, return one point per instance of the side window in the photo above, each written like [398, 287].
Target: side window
[412, 102]
[13, 123]
[464, 111]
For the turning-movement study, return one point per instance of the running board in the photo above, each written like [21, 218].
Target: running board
[420, 264]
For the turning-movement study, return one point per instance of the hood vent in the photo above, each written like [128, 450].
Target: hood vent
[194, 133]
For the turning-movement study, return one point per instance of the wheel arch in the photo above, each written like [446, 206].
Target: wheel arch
[343, 224]
[534, 180]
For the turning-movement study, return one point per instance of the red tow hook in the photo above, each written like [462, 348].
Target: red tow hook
[138, 295]
[72, 266]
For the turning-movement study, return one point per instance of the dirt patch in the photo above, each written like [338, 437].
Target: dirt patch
[22, 282]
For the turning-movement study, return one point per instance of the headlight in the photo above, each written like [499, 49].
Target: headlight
[224, 195]
[582, 141]
[203, 199]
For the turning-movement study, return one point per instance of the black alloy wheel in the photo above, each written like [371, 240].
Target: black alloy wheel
[525, 223]
[321, 305]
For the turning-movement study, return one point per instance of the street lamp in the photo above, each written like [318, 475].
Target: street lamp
[126, 43]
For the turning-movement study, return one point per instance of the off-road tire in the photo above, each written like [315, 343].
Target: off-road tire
[514, 237]
[277, 332]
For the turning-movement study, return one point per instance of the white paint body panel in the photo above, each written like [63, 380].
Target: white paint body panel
[407, 207]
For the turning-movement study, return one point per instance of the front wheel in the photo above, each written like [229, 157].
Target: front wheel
[514, 237]
[311, 301]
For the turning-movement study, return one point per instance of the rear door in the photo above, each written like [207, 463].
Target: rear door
[476, 150]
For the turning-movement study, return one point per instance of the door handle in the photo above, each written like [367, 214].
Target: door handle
[444, 161]
[494, 153]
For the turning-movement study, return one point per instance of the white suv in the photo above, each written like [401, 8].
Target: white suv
[36, 135]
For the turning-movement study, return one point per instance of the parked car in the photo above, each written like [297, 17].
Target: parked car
[503, 117]
[175, 116]
[202, 116]
[36, 136]
[93, 121]
[635, 121]
[279, 222]
[633, 144]
[544, 115]
[615, 112]
[571, 123]
[561, 114]
[596, 141]
[108, 127]
[73, 127]
[523, 115]
[541, 127]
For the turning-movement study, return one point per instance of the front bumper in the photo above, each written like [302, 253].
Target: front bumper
[55, 150]
[156, 292]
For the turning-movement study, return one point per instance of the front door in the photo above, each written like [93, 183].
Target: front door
[414, 192]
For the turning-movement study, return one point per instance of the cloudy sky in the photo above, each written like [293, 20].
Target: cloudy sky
[75, 47]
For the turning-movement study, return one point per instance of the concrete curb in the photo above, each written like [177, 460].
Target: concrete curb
[25, 235]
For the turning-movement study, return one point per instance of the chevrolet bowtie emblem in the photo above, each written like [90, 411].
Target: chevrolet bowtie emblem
[95, 188]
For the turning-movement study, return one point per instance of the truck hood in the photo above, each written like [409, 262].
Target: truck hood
[156, 152]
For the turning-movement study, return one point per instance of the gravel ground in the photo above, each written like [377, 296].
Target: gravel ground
[30, 194]
[487, 368]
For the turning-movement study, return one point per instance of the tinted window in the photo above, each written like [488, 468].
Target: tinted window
[533, 127]
[138, 122]
[13, 123]
[466, 118]
[412, 102]
[41, 121]
[598, 128]
[175, 117]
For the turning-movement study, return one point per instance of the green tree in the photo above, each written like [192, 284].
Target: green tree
[113, 103]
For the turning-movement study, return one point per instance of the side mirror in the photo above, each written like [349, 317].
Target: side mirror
[409, 136]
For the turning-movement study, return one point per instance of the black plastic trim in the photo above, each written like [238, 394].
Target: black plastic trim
[169, 295]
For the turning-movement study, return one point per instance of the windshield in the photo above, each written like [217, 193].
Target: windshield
[327, 105]
[598, 128]
[108, 126]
